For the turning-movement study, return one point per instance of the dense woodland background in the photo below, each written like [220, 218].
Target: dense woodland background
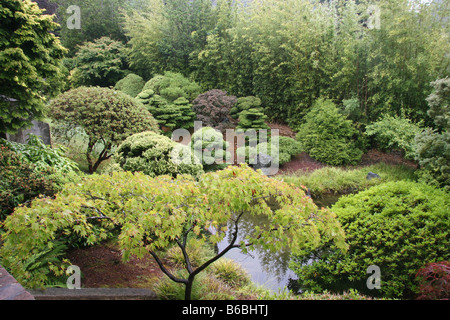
[288, 53]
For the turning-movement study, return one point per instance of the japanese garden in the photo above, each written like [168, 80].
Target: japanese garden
[310, 135]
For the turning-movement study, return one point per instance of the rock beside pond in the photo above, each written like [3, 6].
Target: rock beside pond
[264, 162]
[372, 175]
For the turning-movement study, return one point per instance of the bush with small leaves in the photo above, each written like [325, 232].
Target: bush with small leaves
[152, 154]
[172, 86]
[132, 85]
[106, 116]
[394, 133]
[209, 146]
[398, 226]
[170, 115]
[250, 113]
[327, 136]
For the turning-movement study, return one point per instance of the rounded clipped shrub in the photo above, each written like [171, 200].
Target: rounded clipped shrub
[173, 115]
[105, 115]
[328, 137]
[172, 86]
[151, 153]
[398, 226]
[250, 113]
[288, 148]
[249, 153]
[132, 84]
[209, 145]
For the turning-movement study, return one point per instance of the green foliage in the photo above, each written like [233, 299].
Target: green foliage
[249, 152]
[154, 155]
[31, 59]
[209, 146]
[172, 86]
[397, 226]
[166, 33]
[433, 155]
[99, 63]
[173, 115]
[339, 180]
[20, 181]
[231, 272]
[105, 115]
[99, 18]
[290, 53]
[153, 214]
[132, 85]
[288, 148]
[438, 102]
[327, 136]
[250, 113]
[31, 170]
[41, 155]
[433, 146]
[394, 133]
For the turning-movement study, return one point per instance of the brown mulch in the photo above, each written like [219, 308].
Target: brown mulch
[102, 267]
[305, 163]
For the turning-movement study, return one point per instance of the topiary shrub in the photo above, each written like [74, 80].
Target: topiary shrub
[151, 153]
[397, 226]
[250, 113]
[172, 86]
[288, 148]
[132, 85]
[327, 136]
[209, 146]
[170, 115]
[213, 109]
[434, 281]
[107, 117]
[249, 153]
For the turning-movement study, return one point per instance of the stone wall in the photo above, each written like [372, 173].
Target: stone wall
[40, 129]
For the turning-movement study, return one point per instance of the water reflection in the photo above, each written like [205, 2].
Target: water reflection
[267, 268]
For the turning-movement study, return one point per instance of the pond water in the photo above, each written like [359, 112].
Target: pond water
[266, 268]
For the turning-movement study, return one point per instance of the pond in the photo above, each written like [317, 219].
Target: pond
[266, 268]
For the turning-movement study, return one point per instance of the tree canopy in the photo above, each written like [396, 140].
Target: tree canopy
[31, 59]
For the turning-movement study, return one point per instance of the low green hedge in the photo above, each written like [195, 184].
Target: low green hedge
[397, 226]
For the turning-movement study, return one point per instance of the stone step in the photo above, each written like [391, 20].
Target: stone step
[94, 294]
[10, 289]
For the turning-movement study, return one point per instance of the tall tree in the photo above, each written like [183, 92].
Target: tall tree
[31, 57]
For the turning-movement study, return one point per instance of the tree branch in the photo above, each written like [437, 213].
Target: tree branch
[167, 272]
